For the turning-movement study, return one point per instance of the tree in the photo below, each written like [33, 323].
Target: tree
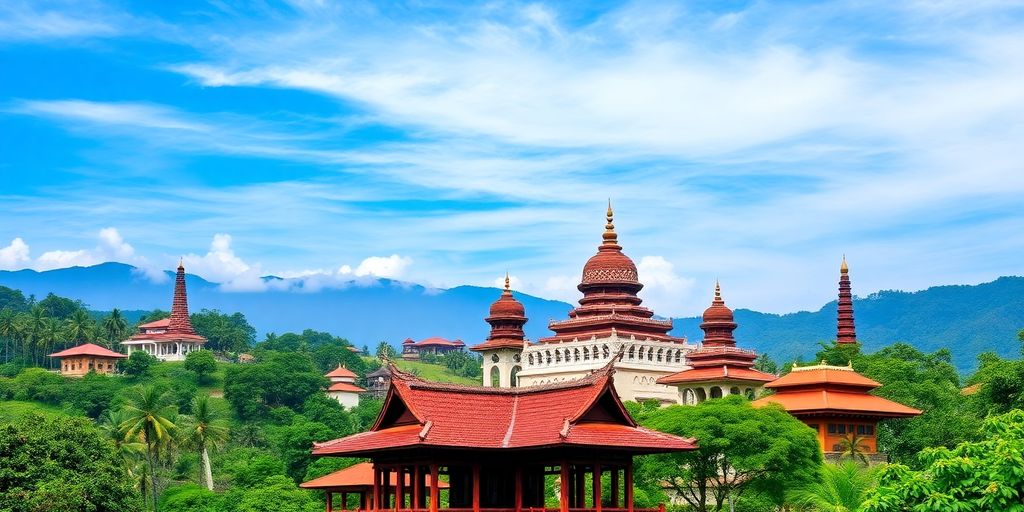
[385, 351]
[228, 333]
[152, 316]
[61, 463]
[274, 494]
[202, 363]
[984, 475]
[276, 379]
[1000, 385]
[292, 443]
[59, 307]
[741, 448]
[840, 488]
[206, 428]
[13, 300]
[138, 363]
[766, 364]
[838, 354]
[191, 498]
[115, 327]
[148, 413]
[852, 447]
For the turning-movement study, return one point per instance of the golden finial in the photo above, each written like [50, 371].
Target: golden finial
[843, 267]
[506, 281]
[609, 229]
[718, 290]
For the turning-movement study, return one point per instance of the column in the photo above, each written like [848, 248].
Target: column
[328, 507]
[417, 489]
[519, 489]
[476, 488]
[376, 488]
[580, 477]
[435, 493]
[563, 499]
[629, 486]
[597, 487]
[615, 487]
[399, 487]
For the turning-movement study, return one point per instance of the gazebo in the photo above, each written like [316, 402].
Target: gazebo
[496, 446]
[357, 479]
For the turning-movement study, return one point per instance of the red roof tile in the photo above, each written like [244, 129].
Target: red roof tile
[833, 401]
[581, 412]
[357, 477]
[821, 375]
[437, 341]
[156, 324]
[341, 371]
[88, 349]
[345, 386]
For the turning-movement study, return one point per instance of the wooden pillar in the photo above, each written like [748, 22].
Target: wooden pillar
[580, 479]
[376, 489]
[386, 485]
[629, 486]
[597, 487]
[563, 499]
[476, 488]
[615, 487]
[344, 501]
[399, 487]
[328, 506]
[416, 488]
[435, 493]
[519, 489]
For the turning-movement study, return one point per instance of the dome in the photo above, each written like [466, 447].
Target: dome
[609, 265]
[507, 305]
[718, 322]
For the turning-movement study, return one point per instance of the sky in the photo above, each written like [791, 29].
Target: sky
[446, 143]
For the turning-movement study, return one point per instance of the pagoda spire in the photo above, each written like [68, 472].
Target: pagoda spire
[180, 323]
[846, 332]
[609, 236]
[718, 323]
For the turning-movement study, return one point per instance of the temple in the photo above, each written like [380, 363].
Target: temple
[609, 319]
[496, 446]
[79, 361]
[835, 401]
[343, 386]
[502, 352]
[718, 367]
[434, 345]
[172, 338]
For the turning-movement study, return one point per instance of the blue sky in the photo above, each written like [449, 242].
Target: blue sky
[442, 143]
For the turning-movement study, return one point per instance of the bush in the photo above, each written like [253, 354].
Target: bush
[202, 363]
[249, 467]
[40, 385]
[138, 363]
[275, 494]
[190, 498]
[92, 394]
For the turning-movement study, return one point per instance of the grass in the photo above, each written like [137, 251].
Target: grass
[434, 372]
[12, 410]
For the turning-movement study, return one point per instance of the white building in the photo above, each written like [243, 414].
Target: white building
[502, 352]
[343, 386]
[169, 339]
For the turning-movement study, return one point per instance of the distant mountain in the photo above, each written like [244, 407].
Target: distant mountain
[966, 319]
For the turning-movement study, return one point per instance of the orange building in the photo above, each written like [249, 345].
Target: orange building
[80, 360]
[835, 401]
[495, 446]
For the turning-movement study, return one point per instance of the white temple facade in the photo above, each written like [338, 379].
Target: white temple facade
[169, 339]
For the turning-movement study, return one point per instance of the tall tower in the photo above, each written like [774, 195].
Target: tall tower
[180, 322]
[846, 332]
[502, 352]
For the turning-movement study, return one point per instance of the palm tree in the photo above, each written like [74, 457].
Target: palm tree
[207, 429]
[80, 327]
[853, 447]
[841, 488]
[35, 324]
[147, 412]
[128, 449]
[52, 335]
[8, 328]
[115, 326]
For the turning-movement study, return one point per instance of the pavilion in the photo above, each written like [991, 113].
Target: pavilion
[356, 480]
[495, 446]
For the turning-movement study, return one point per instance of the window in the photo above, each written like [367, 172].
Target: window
[860, 430]
[842, 429]
[869, 430]
[831, 428]
[495, 358]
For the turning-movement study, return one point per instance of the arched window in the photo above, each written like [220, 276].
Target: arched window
[568, 355]
[514, 376]
[586, 354]
[734, 390]
[558, 356]
[701, 395]
[517, 358]
[632, 352]
[529, 360]
[716, 392]
[641, 353]
[495, 358]
[576, 354]
[750, 394]
[679, 355]
[604, 350]
[650, 354]
[495, 377]
[661, 352]
[548, 352]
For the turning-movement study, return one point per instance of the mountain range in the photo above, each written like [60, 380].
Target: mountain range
[967, 319]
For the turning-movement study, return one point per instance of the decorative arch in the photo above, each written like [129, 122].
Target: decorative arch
[716, 392]
[734, 390]
[701, 395]
[605, 351]
[632, 352]
[495, 377]
[661, 353]
[513, 376]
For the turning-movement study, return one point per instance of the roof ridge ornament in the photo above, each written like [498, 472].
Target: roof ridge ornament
[609, 236]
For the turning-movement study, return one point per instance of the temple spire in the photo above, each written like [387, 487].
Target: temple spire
[180, 323]
[718, 323]
[507, 282]
[846, 331]
[610, 237]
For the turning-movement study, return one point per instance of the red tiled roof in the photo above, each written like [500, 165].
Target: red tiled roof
[156, 324]
[822, 375]
[832, 401]
[345, 386]
[88, 349]
[587, 411]
[357, 477]
[341, 371]
[438, 342]
[167, 336]
[715, 373]
[498, 343]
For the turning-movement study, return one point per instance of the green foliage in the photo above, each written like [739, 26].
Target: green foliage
[39, 385]
[985, 475]
[153, 316]
[1000, 384]
[292, 443]
[190, 498]
[61, 463]
[59, 307]
[13, 300]
[202, 363]
[276, 379]
[741, 448]
[838, 354]
[274, 494]
[766, 364]
[226, 333]
[92, 394]
[840, 488]
[249, 467]
[137, 364]
[326, 410]
[385, 351]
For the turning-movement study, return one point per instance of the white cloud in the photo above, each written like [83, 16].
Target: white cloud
[62, 259]
[664, 290]
[221, 265]
[30, 21]
[391, 267]
[15, 255]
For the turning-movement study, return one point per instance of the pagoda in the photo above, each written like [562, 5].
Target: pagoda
[496, 446]
[718, 367]
[343, 386]
[502, 352]
[172, 338]
[833, 400]
[609, 320]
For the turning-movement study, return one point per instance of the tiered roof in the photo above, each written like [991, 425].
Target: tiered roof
[610, 303]
[835, 390]
[583, 412]
[507, 317]
[88, 349]
[177, 327]
[718, 359]
[846, 332]
[343, 379]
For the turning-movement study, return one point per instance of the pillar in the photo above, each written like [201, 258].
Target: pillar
[416, 488]
[328, 507]
[399, 487]
[615, 487]
[476, 488]
[580, 477]
[629, 486]
[597, 487]
[563, 499]
[435, 494]
[519, 489]
[376, 489]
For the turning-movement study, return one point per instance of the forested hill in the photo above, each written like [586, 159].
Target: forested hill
[966, 319]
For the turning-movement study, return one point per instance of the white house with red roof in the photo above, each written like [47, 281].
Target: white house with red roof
[169, 339]
[343, 386]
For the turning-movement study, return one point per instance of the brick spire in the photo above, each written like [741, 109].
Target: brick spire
[718, 322]
[180, 323]
[846, 332]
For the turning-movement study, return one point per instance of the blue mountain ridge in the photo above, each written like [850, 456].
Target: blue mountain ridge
[967, 319]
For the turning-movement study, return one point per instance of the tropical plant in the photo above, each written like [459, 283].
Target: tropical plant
[385, 351]
[80, 327]
[147, 413]
[206, 429]
[841, 488]
[115, 327]
[854, 447]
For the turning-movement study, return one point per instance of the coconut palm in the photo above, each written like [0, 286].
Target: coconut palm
[52, 335]
[207, 429]
[8, 329]
[128, 449]
[147, 413]
[80, 327]
[853, 447]
[35, 325]
[115, 326]
[841, 488]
